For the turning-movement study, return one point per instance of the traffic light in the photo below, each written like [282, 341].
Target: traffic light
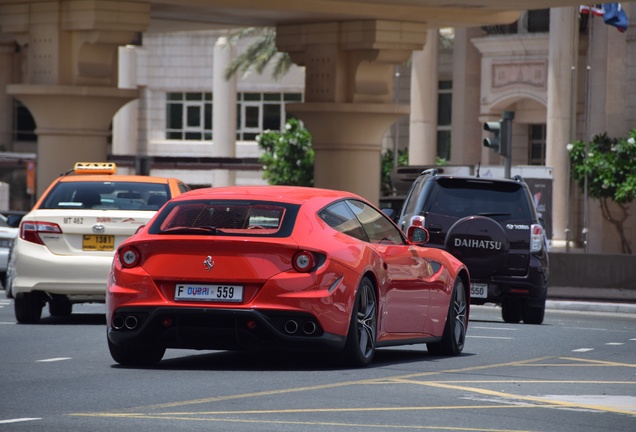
[493, 142]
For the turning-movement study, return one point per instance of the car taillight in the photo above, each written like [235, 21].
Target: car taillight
[30, 231]
[536, 238]
[303, 261]
[129, 257]
[417, 221]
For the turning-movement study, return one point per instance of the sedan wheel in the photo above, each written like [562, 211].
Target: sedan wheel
[452, 342]
[28, 307]
[60, 305]
[361, 339]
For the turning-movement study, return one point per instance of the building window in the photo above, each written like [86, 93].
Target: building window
[258, 112]
[23, 123]
[189, 116]
[444, 114]
[536, 147]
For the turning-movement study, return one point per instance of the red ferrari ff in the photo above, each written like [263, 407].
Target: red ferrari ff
[281, 267]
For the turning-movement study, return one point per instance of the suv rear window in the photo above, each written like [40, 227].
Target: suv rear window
[478, 197]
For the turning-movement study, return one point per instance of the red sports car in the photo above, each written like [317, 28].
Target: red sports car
[281, 267]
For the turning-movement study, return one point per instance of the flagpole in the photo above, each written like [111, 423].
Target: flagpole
[588, 105]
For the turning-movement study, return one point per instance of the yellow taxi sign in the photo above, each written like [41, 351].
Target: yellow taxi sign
[95, 168]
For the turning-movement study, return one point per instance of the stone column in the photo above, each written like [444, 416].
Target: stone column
[6, 102]
[348, 94]
[126, 121]
[224, 112]
[424, 95]
[561, 58]
[71, 81]
[72, 124]
[466, 145]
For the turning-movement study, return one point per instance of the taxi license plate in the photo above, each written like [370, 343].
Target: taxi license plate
[478, 290]
[210, 293]
[98, 242]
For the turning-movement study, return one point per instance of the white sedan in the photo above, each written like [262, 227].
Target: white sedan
[7, 237]
[67, 241]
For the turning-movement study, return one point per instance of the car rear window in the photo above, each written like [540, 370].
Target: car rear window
[226, 218]
[478, 197]
[111, 195]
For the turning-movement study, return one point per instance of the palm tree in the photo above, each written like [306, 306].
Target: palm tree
[259, 54]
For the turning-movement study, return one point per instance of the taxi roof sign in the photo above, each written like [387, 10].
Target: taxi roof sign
[95, 168]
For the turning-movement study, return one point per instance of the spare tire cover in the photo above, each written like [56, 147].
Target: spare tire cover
[480, 243]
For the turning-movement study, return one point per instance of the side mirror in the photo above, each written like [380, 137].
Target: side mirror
[417, 235]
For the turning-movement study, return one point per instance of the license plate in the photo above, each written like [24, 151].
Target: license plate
[98, 242]
[479, 290]
[210, 293]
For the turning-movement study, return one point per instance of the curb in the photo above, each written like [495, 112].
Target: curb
[584, 306]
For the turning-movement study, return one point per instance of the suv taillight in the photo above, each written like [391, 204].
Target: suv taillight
[30, 231]
[417, 221]
[536, 238]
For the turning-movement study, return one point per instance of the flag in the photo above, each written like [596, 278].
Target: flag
[612, 13]
[591, 10]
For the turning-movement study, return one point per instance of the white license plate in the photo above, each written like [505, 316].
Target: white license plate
[210, 293]
[479, 290]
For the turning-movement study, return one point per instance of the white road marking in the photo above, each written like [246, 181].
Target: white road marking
[17, 420]
[583, 350]
[488, 337]
[615, 343]
[493, 328]
[54, 359]
[626, 403]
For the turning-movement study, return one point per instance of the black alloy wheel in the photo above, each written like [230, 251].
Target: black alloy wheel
[361, 339]
[454, 336]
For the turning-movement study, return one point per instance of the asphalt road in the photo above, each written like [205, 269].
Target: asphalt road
[576, 372]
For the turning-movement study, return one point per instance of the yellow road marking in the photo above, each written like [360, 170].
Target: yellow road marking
[305, 423]
[524, 401]
[542, 401]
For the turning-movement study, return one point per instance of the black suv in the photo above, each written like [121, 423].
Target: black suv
[491, 225]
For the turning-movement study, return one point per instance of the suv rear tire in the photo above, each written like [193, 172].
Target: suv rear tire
[533, 314]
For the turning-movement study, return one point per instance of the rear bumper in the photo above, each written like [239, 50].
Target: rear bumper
[223, 329]
[533, 287]
[37, 269]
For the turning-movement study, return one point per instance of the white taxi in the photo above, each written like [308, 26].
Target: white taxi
[66, 243]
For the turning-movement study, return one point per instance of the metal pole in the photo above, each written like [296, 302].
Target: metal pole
[507, 118]
[585, 230]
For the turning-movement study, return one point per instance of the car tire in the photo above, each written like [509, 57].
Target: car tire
[60, 305]
[361, 339]
[454, 336]
[512, 310]
[533, 314]
[28, 307]
[136, 356]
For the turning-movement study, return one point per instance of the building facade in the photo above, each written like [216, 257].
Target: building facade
[563, 76]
